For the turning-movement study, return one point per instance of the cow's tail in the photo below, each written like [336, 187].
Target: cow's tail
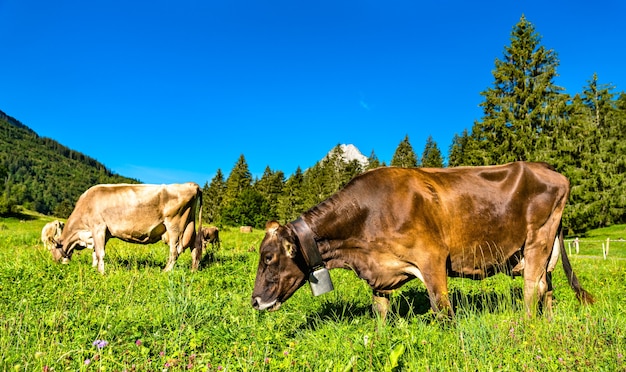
[581, 294]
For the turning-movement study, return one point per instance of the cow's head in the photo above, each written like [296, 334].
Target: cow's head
[282, 269]
[65, 248]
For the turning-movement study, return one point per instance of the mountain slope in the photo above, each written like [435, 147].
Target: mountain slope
[44, 175]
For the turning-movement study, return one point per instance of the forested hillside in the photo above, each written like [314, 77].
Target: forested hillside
[43, 175]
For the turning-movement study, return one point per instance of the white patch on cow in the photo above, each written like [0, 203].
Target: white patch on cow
[265, 305]
[555, 254]
[86, 239]
[416, 273]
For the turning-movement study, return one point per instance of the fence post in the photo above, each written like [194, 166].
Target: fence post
[603, 251]
[608, 240]
[569, 248]
[576, 247]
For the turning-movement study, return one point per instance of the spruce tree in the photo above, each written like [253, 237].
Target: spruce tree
[404, 156]
[212, 196]
[431, 157]
[270, 186]
[523, 103]
[239, 180]
[291, 201]
[372, 161]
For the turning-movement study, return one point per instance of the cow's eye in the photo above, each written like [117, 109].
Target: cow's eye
[269, 258]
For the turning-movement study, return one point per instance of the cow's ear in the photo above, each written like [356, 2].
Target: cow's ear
[271, 226]
[289, 248]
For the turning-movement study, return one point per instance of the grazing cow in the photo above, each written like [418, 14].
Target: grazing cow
[245, 229]
[391, 225]
[211, 235]
[50, 233]
[141, 214]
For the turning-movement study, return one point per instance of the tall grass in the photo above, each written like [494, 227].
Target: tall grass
[137, 318]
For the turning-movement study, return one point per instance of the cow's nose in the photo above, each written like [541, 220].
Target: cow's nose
[255, 303]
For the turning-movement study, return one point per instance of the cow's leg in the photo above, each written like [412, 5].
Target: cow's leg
[437, 287]
[196, 256]
[546, 303]
[431, 270]
[536, 281]
[173, 253]
[380, 304]
[195, 244]
[99, 241]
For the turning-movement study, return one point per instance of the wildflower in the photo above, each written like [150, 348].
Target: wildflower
[190, 366]
[219, 368]
[138, 342]
[100, 344]
[266, 360]
[46, 369]
[87, 361]
[285, 353]
[162, 353]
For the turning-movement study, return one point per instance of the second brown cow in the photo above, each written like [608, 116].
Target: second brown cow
[391, 225]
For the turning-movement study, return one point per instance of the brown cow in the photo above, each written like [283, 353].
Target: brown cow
[141, 214]
[211, 235]
[391, 225]
[50, 233]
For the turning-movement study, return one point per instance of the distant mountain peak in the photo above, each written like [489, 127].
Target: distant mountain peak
[350, 153]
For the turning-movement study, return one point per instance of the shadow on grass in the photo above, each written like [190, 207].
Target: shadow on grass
[414, 302]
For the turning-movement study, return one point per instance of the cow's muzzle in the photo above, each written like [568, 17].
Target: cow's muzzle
[259, 304]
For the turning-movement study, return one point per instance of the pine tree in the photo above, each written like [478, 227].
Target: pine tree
[431, 157]
[458, 153]
[523, 103]
[291, 201]
[372, 161]
[239, 180]
[270, 186]
[212, 197]
[404, 156]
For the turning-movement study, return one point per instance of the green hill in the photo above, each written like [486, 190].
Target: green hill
[43, 175]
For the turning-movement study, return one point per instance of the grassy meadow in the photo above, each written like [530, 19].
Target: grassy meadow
[57, 317]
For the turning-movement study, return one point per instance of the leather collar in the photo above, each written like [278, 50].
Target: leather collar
[310, 250]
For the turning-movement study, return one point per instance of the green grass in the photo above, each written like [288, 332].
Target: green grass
[51, 315]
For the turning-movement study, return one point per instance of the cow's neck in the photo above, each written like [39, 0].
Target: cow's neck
[336, 225]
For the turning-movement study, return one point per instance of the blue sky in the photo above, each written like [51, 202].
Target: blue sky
[169, 91]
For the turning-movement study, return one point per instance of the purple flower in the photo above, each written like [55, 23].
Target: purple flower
[138, 342]
[87, 361]
[100, 344]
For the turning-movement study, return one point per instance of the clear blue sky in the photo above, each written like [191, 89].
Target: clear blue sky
[171, 90]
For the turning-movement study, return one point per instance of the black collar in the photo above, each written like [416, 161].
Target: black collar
[308, 244]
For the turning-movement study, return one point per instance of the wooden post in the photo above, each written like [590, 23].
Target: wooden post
[576, 245]
[603, 251]
[608, 240]
[569, 248]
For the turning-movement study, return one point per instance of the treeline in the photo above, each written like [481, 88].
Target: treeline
[42, 175]
[526, 116]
